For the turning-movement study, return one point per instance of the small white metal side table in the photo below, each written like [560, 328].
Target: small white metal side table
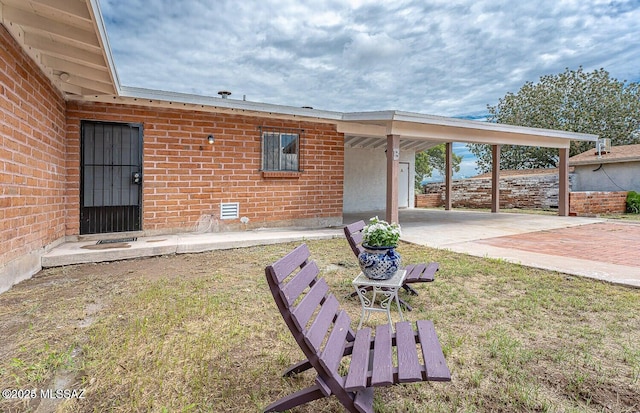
[387, 288]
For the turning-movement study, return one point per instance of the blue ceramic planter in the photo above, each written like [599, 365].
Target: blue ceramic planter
[379, 263]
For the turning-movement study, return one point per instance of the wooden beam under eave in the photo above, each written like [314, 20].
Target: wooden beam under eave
[563, 183]
[495, 178]
[90, 85]
[100, 75]
[393, 168]
[355, 141]
[448, 179]
[75, 9]
[47, 26]
[66, 51]
[71, 89]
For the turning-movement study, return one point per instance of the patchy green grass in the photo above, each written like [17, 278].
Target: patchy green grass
[201, 333]
[622, 217]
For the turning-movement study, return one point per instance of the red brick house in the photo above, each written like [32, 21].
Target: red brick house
[81, 154]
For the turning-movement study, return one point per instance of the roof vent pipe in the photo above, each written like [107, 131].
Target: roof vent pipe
[603, 146]
[224, 94]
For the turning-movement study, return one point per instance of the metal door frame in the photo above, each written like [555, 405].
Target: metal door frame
[139, 126]
[408, 184]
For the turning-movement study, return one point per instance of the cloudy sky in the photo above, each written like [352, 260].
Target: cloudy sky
[440, 57]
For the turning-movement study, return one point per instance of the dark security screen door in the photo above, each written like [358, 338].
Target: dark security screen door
[111, 177]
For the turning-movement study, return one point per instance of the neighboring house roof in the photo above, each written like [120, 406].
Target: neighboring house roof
[624, 153]
[68, 41]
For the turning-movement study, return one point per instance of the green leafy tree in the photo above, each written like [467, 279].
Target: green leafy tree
[433, 159]
[574, 101]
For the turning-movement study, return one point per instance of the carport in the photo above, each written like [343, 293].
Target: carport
[401, 131]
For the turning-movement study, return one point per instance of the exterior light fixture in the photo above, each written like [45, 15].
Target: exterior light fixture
[210, 139]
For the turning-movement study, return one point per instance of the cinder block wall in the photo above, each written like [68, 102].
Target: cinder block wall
[538, 191]
[32, 163]
[185, 179]
[594, 203]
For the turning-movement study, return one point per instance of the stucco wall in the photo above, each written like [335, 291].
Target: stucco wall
[365, 179]
[609, 177]
[32, 163]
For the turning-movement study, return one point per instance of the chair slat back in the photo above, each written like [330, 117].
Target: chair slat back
[353, 232]
[302, 312]
[286, 265]
[308, 308]
[301, 281]
[336, 343]
[322, 322]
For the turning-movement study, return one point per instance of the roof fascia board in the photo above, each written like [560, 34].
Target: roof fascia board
[503, 136]
[101, 31]
[394, 118]
[363, 129]
[377, 116]
[241, 105]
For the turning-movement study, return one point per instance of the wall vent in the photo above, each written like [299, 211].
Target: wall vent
[230, 210]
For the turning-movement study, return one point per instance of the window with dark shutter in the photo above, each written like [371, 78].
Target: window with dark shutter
[280, 149]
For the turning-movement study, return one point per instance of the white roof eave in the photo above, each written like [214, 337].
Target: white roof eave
[94, 9]
[391, 117]
[210, 101]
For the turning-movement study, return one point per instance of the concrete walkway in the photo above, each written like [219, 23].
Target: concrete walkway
[588, 247]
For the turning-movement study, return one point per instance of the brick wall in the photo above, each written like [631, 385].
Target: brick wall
[526, 191]
[594, 203]
[32, 162]
[185, 179]
[429, 200]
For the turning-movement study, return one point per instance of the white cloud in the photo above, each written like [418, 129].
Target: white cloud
[439, 57]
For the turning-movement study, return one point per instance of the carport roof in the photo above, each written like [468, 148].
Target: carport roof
[421, 129]
[67, 39]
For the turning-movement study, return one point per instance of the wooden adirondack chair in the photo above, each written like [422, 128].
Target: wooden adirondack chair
[314, 317]
[416, 273]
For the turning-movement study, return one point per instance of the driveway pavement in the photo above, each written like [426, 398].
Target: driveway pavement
[588, 247]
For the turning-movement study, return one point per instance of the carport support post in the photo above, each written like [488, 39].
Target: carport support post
[495, 178]
[393, 168]
[563, 182]
[448, 167]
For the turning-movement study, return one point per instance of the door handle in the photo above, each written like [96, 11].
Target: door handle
[136, 178]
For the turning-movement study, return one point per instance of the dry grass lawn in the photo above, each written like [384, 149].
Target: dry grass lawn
[201, 333]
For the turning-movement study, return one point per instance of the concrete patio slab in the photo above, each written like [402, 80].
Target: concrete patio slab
[507, 236]
[85, 251]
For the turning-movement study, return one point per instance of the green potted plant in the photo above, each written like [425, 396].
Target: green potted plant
[379, 260]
